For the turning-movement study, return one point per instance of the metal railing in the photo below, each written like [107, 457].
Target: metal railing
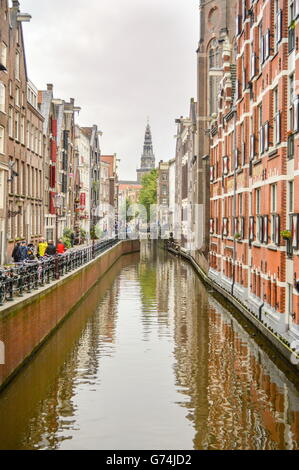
[23, 278]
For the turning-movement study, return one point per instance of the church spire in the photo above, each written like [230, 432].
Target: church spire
[148, 143]
[147, 157]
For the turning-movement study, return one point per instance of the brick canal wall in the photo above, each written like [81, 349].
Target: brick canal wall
[25, 324]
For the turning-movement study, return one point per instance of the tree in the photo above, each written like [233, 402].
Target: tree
[148, 193]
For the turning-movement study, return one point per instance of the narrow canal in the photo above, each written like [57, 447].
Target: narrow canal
[151, 360]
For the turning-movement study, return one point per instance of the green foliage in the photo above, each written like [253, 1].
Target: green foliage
[67, 232]
[148, 193]
[96, 233]
[67, 237]
[67, 242]
[83, 234]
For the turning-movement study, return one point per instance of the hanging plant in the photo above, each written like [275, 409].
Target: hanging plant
[286, 234]
[237, 236]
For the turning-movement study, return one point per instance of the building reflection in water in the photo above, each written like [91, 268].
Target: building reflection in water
[238, 398]
[229, 391]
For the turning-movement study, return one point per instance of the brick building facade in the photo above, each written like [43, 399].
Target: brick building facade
[254, 164]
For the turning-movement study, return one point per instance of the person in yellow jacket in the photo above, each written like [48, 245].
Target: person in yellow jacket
[42, 246]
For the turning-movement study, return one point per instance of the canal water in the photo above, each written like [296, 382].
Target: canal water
[152, 360]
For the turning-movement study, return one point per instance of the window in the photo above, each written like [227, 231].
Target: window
[10, 122]
[2, 136]
[2, 97]
[240, 204]
[214, 55]
[291, 197]
[273, 197]
[261, 130]
[3, 56]
[1, 185]
[258, 201]
[17, 97]
[22, 136]
[261, 46]
[17, 125]
[28, 134]
[276, 117]
[291, 32]
[214, 75]
[277, 24]
[17, 65]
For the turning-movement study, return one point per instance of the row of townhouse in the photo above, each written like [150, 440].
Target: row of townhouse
[234, 183]
[254, 159]
[50, 167]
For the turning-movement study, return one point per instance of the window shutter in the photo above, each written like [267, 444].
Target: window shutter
[211, 173]
[225, 165]
[252, 146]
[279, 26]
[52, 176]
[54, 127]
[277, 229]
[261, 229]
[238, 25]
[244, 10]
[295, 227]
[211, 226]
[251, 228]
[236, 158]
[296, 115]
[243, 153]
[277, 128]
[265, 230]
[53, 151]
[267, 44]
[242, 227]
[266, 136]
[252, 65]
[236, 225]
[261, 140]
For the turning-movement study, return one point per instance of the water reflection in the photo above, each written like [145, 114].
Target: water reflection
[151, 360]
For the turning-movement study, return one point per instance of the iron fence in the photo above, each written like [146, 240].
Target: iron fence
[23, 278]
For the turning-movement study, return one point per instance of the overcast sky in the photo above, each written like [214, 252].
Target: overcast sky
[122, 60]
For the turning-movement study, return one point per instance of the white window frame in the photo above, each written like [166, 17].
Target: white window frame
[2, 97]
[2, 140]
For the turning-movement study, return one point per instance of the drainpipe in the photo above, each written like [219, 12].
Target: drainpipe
[234, 199]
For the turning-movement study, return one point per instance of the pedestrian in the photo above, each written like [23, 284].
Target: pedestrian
[31, 251]
[72, 239]
[23, 251]
[51, 249]
[60, 247]
[42, 246]
[16, 252]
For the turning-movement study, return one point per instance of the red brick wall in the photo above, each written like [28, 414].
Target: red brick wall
[24, 327]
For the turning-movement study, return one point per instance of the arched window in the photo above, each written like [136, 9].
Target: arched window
[215, 74]
[214, 55]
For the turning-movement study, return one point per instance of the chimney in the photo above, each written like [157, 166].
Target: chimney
[16, 4]
[72, 100]
[50, 87]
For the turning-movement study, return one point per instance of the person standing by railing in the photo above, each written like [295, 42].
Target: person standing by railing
[60, 247]
[16, 252]
[51, 249]
[42, 246]
[23, 251]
